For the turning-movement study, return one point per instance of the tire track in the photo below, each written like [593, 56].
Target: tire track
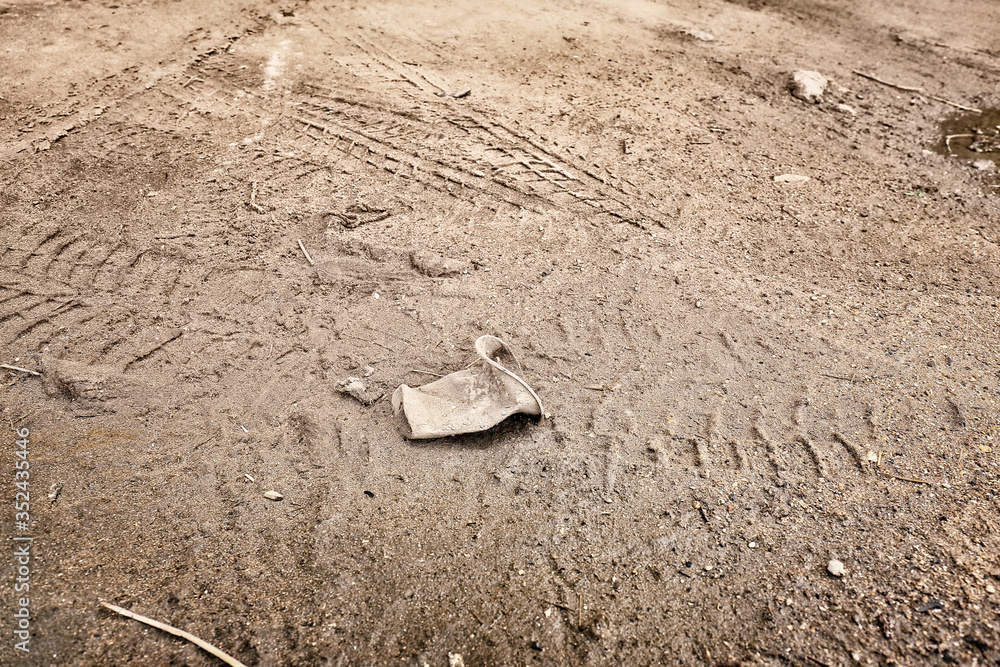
[64, 271]
[68, 285]
[77, 112]
[38, 245]
[507, 159]
[478, 152]
[53, 319]
[392, 64]
[16, 310]
[141, 351]
[440, 146]
[54, 256]
[457, 152]
[73, 325]
[437, 175]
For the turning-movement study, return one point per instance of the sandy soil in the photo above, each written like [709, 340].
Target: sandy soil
[746, 378]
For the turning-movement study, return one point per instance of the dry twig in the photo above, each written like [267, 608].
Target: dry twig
[253, 199]
[912, 89]
[20, 370]
[906, 479]
[908, 89]
[853, 378]
[953, 104]
[947, 140]
[556, 604]
[306, 253]
[417, 370]
[200, 643]
[793, 215]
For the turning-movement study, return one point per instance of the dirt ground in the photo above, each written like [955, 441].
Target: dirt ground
[746, 378]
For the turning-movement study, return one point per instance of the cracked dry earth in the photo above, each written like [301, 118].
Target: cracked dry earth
[746, 378]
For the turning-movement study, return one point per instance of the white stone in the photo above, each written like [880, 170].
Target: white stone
[701, 35]
[808, 86]
[836, 568]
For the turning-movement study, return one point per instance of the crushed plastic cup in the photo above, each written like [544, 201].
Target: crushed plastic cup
[467, 401]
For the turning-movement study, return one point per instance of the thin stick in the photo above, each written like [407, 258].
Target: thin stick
[953, 104]
[417, 370]
[947, 140]
[306, 253]
[253, 199]
[911, 89]
[203, 442]
[19, 369]
[906, 479]
[908, 89]
[179, 633]
[556, 604]
[853, 378]
[793, 216]
[579, 614]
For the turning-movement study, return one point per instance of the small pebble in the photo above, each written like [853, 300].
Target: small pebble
[701, 35]
[836, 568]
[752, 545]
[990, 588]
[808, 86]
[273, 495]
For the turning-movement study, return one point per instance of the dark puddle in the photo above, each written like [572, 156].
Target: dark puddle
[974, 138]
